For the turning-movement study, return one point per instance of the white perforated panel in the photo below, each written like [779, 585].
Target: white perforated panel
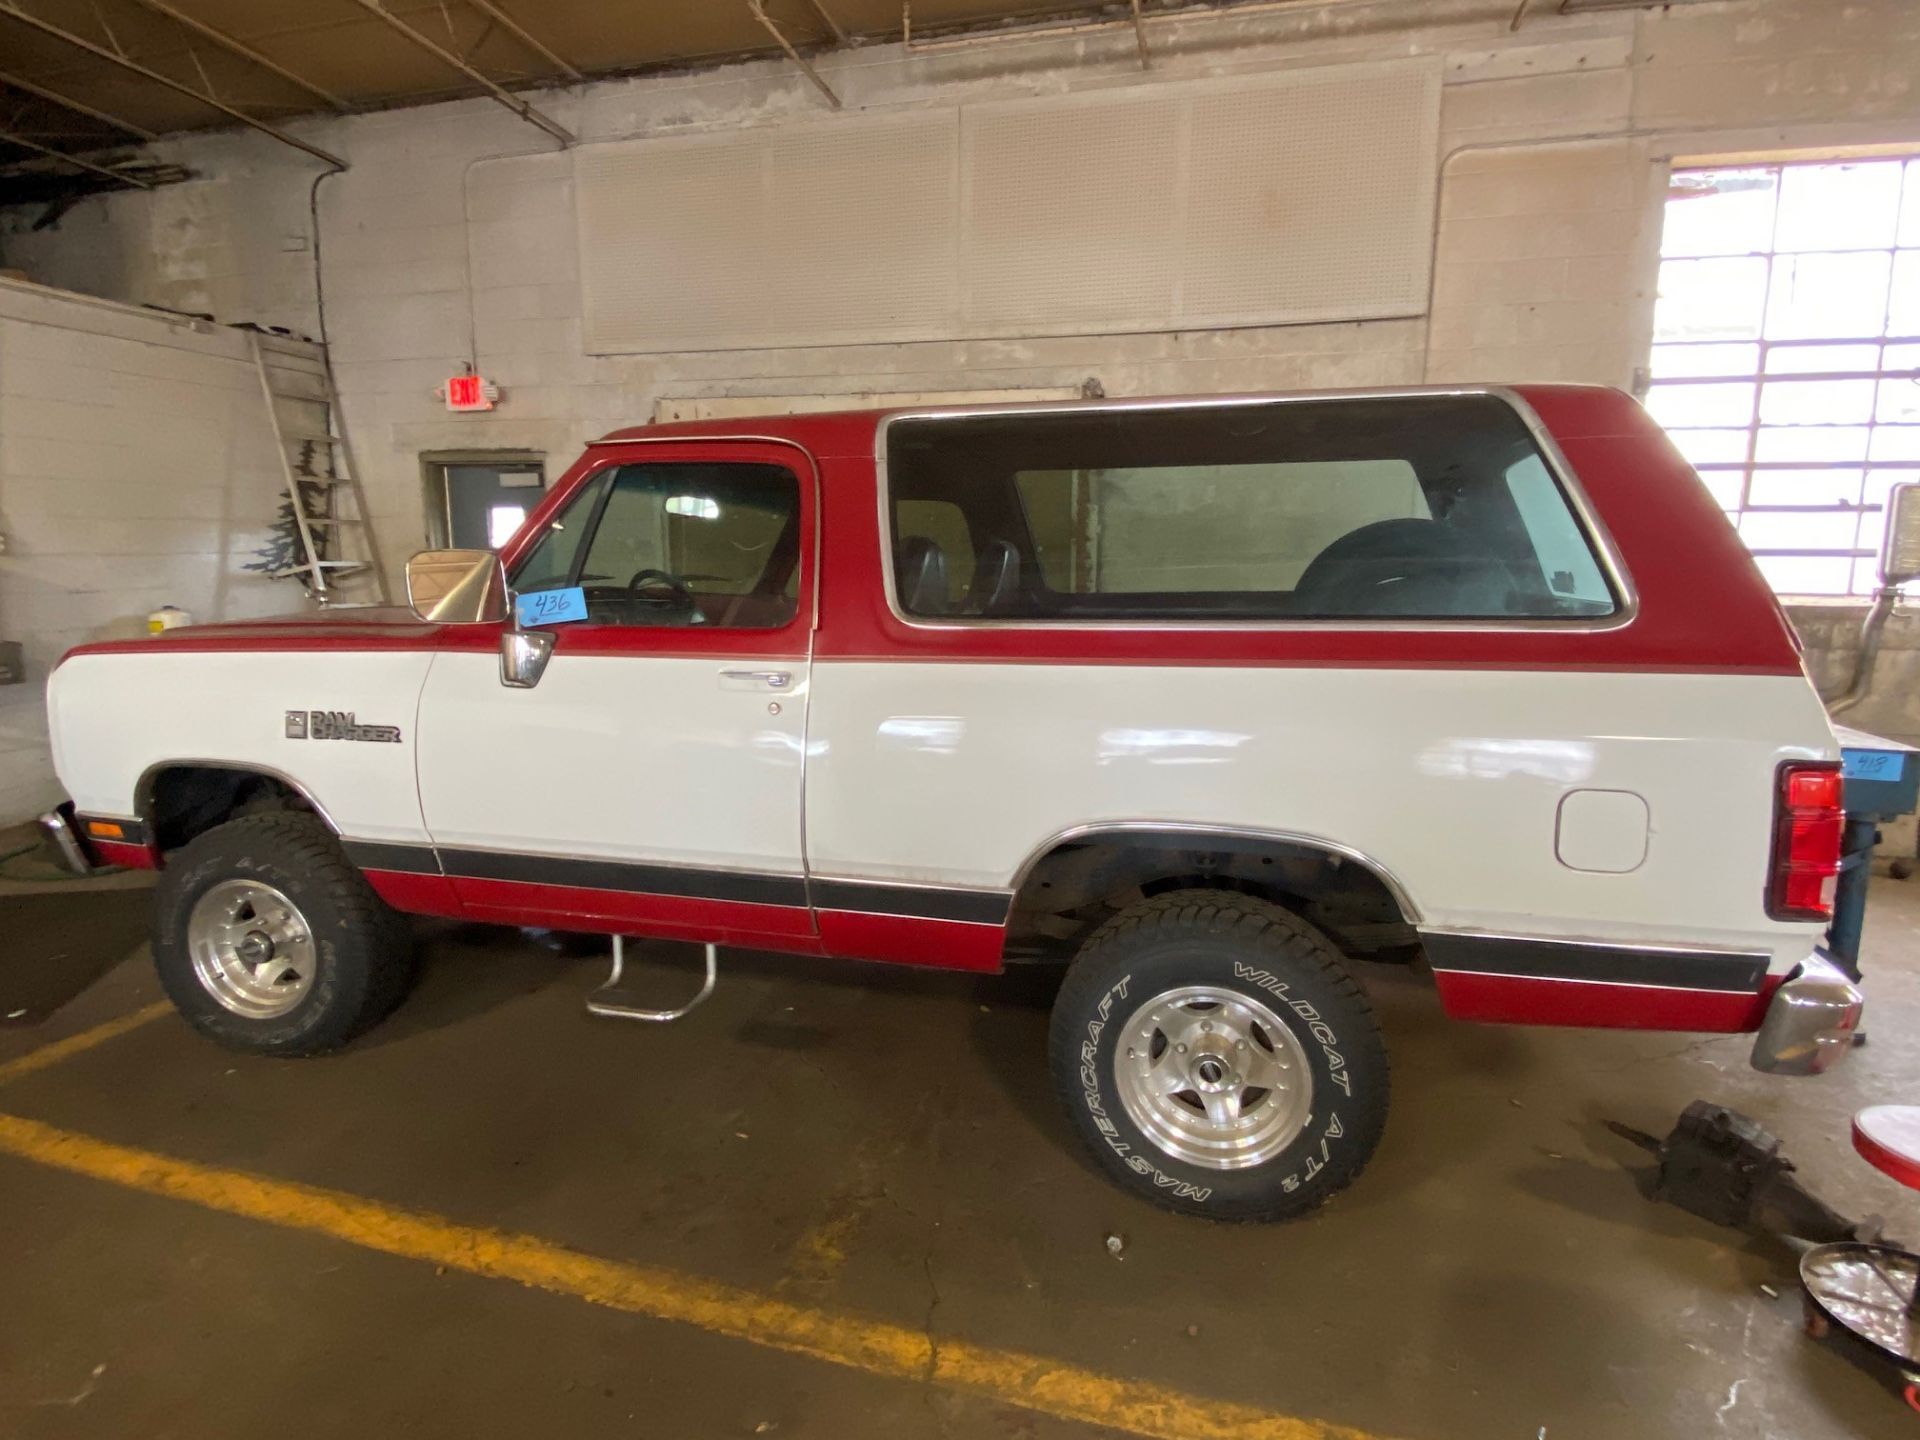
[804, 235]
[1313, 200]
[1067, 216]
[1283, 198]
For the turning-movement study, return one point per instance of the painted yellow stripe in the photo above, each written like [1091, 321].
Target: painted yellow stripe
[1008, 1376]
[73, 1045]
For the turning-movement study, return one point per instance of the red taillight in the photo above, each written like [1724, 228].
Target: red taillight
[1808, 822]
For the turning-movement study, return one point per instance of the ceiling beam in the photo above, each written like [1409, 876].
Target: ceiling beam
[826, 18]
[54, 97]
[80, 42]
[446, 57]
[514, 28]
[780, 39]
[243, 50]
[10, 138]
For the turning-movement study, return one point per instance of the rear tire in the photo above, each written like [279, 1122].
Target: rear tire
[269, 940]
[1218, 1058]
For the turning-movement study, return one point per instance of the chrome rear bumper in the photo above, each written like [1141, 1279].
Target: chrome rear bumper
[57, 826]
[1810, 1021]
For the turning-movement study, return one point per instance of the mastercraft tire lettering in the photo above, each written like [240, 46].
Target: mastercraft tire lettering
[1218, 1059]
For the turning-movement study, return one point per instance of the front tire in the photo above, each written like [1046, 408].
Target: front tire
[1218, 1058]
[269, 940]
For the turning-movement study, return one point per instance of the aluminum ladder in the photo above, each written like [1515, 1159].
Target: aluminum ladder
[317, 470]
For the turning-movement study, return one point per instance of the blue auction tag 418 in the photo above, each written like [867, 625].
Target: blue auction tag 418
[1871, 764]
[551, 607]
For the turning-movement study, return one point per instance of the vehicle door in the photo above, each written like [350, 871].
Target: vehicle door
[652, 774]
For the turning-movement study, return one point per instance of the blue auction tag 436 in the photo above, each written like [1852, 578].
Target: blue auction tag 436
[551, 607]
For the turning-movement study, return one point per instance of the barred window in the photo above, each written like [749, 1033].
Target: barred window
[1786, 356]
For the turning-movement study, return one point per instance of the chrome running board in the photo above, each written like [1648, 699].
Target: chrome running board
[605, 1001]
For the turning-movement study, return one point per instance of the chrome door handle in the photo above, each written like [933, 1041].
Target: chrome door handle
[771, 679]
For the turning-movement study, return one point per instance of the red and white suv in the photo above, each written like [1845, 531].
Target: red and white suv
[1203, 696]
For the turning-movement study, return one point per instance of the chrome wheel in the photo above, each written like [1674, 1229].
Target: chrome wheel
[252, 949]
[1213, 1077]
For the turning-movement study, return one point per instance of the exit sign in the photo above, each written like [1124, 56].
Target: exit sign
[469, 392]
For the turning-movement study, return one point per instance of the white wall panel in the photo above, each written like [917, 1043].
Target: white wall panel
[810, 234]
[1296, 196]
[1072, 216]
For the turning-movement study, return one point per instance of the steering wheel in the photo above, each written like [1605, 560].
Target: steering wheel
[660, 587]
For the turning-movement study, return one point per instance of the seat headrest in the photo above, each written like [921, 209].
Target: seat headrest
[920, 570]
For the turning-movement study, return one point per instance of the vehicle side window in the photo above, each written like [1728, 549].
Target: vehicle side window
[1392, 508]
[1565, 560]
[1159, 529]
[548, 564]
[678, 545]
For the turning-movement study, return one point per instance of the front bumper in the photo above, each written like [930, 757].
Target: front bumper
[57, 825]
[1810, 1022]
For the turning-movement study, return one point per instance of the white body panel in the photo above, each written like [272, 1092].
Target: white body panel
[1450, 782]
[1447, 780]
[679, 761]
[116, 716]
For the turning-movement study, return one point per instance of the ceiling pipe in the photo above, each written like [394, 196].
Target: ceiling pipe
[519, 32]
[54, 97]
[1137, 21]
[446, 57]
[780, 39]
[245, 51]
[65, 159]
[80, 42]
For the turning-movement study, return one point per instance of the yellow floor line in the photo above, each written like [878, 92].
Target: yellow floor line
[1008, 1376]
[820, 1253]
[58, 1050]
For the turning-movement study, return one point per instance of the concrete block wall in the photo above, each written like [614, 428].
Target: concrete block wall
[451, 236]
[137, 469]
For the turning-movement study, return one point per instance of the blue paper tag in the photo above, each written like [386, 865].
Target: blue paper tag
[551, 607]
[1871, 764]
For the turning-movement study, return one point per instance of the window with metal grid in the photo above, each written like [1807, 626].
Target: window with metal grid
[1786, 355]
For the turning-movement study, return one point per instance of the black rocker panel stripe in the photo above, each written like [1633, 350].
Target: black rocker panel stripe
[739, 886]
[1729, 971]
[398, 857]
[926, 902]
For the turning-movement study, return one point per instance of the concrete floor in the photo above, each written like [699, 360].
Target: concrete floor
[883, 1144]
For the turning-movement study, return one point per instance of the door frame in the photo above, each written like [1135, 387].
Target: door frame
[634, 908]
[436, 499]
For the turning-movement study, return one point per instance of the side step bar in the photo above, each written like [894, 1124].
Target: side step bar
[605, 1001]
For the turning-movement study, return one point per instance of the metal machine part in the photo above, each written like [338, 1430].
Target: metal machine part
[1856, 1289]
[1899, 563]
[1810, 1022]
[1727, 1168]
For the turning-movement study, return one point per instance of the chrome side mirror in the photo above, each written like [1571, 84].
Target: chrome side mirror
[1900, 546]
[523, 656]
[457, 587]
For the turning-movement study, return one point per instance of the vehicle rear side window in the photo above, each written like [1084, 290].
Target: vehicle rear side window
[1393, 508]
